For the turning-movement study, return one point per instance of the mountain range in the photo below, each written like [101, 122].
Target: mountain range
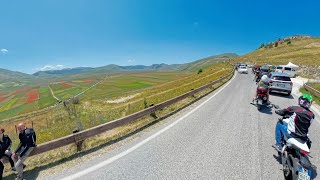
[8, 77]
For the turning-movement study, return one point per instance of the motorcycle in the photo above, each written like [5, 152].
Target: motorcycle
[257, 76]
[295, 158]
[261, 98]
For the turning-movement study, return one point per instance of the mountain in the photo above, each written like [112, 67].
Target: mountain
[9, 79]
[63, 71]
[112, 68]
[207, 62]
[17, 79]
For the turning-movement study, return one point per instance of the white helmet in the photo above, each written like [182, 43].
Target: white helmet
[265, 79]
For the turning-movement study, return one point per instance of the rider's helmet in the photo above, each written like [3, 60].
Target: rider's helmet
[265, 79]
[305, 101]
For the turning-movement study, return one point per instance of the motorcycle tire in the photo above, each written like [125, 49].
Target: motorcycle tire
[287, 173]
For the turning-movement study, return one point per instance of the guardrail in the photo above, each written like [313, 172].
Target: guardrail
[311, 89]
[82, 135]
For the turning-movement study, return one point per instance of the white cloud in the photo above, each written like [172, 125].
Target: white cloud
[49, 67]
[131, 61]
[4, 51]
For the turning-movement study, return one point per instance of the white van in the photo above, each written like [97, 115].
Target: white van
[287, 69]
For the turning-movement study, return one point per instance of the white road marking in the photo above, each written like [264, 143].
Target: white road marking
[122, 154]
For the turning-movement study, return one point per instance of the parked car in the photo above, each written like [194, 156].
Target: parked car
[288, 70]
[280, 82]
[243, 69]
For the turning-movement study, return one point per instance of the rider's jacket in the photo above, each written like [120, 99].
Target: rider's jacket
[299, 121]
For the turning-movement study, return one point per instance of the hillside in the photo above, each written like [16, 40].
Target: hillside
[12, 79]
[112, 68]
[304, 52]
[207, 62]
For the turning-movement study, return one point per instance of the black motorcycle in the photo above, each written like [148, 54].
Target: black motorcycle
[295, 158]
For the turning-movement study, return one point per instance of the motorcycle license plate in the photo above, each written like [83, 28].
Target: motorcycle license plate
[259, 101]
[303, 174]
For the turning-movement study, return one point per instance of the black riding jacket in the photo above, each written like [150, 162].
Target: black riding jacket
[299, 121]
[27, 139]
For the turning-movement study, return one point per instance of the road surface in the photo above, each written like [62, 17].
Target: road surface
[225, 137]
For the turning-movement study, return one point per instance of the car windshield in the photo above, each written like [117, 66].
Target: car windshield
[279, 67]
[281, 78]
[287, 68]
[264, 70]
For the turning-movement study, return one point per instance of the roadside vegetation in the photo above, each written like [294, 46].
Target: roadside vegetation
[315, 86]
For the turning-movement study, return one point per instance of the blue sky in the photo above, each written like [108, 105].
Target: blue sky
[73, 33]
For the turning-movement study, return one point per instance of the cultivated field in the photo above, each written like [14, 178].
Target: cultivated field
[28, 99]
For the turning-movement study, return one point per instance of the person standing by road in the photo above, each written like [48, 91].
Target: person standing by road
[28, 139]
[6, 143]
[1, 160]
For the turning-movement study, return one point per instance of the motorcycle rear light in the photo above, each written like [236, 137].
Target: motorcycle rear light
[304, 152]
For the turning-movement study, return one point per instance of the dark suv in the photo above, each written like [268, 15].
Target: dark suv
[280, 82]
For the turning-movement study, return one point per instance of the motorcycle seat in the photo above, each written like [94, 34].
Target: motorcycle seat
[298, 145]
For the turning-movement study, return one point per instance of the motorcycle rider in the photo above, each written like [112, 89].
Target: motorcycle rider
[263, 83]
[297, 125]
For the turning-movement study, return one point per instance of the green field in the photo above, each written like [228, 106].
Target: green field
[122, 85]
[65, 92]
[46, 98]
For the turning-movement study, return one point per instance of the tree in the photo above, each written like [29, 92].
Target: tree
[276, 44]
[289, 42]
[199, 71]
[261, 46]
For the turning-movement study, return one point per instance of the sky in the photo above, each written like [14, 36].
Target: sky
[57, 34]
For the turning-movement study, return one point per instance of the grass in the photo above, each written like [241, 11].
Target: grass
[300, 51]
[68, 153]
[45, 98]
[315, 98]
[315, 85]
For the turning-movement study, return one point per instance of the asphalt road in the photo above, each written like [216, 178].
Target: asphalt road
[225, 138]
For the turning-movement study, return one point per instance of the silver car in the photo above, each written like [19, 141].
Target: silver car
[280, 82]
[243, 69]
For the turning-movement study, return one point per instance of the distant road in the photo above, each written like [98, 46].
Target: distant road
[53, 94]
[223, 138]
